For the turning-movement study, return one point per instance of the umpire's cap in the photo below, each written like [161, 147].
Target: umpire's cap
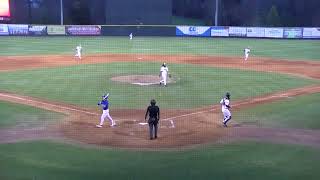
[153, 102]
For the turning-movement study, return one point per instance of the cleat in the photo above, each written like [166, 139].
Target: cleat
[99, 126]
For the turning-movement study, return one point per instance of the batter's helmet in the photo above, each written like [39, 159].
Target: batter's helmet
[164, 64]
[105, 96]
[228, 95]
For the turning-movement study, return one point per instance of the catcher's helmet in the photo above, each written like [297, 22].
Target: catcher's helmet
[153, 102]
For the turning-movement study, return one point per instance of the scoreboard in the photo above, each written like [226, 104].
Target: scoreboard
[4, 9]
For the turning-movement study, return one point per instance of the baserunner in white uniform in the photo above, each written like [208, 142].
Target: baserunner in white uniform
[163, 74]
[130, 36]
[246, 53]
[225, 106]
[78, 51]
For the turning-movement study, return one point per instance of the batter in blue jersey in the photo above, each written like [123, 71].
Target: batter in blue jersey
[105, 111]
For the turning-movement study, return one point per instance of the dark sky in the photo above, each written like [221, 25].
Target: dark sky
[232, 12]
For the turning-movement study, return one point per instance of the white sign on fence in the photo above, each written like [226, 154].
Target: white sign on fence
[255, 32]
[274, 32]
[311, 32]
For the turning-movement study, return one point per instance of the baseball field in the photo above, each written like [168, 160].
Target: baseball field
[48, 108]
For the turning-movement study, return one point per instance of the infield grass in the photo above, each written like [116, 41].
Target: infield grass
[247, 160]
[283, 49]
[297, 112]
[196, 86]
[24, 116]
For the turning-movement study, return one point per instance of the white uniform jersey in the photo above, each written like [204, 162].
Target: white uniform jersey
[224, 103]
[164, 70]
[130, 36]
[246, 51]
[78, 48]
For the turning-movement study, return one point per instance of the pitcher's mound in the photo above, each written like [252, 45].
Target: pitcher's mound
[142, 80]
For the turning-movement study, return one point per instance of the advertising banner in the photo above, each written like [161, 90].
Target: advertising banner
[255, 32]
[4, 29]
[37, 30]
[238, 31]
[18, 29]
[311, 32]
[193, 31]
[292, 33]
[220, 31]
[83, 30]
[56, 30]
[273, 32]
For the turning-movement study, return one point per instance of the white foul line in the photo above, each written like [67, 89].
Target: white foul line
[166, 119]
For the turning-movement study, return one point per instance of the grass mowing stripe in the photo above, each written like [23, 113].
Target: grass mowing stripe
[16, 114]
[246, 160]
[198, 86]
[295, 112]
[284, 49]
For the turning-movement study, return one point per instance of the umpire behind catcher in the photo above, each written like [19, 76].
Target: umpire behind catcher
[154, 116]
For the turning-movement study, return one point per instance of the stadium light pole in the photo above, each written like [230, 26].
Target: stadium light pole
[61, 12]
[216, 13]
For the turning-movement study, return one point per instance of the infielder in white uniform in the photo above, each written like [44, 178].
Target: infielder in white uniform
[130, 36]
[105, 111]
[225, 106]
[78, 51]
[246, 53]
[163, 74]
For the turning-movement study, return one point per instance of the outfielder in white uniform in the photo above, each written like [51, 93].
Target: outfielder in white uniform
[163, 74]
[130, 36]
[246, 53]
[105, 111]
[225, 106]
[78, 51]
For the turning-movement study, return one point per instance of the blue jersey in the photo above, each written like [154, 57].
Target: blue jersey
[104, 104]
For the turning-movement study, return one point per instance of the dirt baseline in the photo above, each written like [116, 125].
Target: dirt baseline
[178, 127]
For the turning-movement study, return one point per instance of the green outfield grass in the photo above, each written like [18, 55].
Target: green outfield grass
[247, 160]
[285, 49]
[16, 114]
[297, 112]
[196, 86]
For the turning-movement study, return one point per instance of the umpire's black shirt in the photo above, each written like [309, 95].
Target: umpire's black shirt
[153, 111]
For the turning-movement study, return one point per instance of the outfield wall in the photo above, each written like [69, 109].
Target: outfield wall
[160, 30]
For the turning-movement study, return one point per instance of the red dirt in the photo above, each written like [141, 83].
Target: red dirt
[192, 126]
